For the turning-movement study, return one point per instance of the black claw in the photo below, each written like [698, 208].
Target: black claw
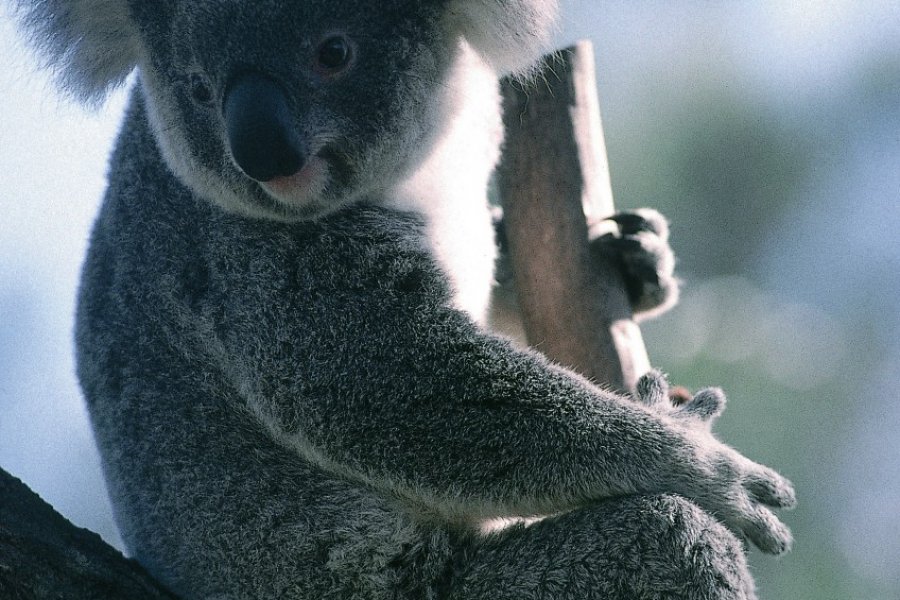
[639, 267]
[632, 223]
[646, 274]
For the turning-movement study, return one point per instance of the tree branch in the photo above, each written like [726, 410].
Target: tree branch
[42, 555]
[554, 186]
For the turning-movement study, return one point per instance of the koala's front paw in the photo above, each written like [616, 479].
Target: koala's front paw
[640, 247]
[741, 493]
[729, 486]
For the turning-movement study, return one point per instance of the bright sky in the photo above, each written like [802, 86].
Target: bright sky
[52, 165]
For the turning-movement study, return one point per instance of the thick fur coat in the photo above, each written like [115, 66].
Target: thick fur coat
[283, 351]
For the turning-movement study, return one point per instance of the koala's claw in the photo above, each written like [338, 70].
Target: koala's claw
[645, 219]
[640, 247]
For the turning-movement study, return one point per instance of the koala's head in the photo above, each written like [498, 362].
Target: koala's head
[286, 109]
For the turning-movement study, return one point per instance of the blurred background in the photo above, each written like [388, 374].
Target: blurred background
[768, 131]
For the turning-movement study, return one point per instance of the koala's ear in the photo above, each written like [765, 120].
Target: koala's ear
[91, 45]
[509, 34]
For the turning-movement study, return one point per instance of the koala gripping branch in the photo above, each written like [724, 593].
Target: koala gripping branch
[554, 185]
[554, 169]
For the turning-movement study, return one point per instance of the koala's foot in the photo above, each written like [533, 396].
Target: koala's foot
[640, 247]
[657, 547]
[635, 241]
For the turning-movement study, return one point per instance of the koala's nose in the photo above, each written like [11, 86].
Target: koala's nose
[263, 140]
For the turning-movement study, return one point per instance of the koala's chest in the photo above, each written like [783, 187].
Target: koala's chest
[464, 248]
[341, 262]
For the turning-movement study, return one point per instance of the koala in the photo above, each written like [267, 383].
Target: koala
[281, 324]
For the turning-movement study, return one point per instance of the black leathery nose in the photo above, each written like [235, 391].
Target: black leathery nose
[261, 134]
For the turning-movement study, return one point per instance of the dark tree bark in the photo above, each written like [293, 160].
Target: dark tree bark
[43, 556]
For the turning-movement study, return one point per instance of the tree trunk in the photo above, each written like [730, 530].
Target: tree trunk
[554, 186]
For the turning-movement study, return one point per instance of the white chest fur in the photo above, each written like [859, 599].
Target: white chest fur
[449, 190]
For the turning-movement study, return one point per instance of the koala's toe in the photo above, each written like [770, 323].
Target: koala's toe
[771, 489]
[653, 389]
[768, 533]
[706, 405]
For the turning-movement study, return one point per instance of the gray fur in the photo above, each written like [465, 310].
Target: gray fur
[90, 44]
[291, 391]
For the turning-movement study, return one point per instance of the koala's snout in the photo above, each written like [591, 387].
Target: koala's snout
[262, 137]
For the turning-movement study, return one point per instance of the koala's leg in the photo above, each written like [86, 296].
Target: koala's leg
[629, 548]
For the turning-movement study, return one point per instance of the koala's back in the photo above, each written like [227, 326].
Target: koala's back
[199, 487]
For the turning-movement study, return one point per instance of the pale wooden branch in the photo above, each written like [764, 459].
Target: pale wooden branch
[554, 186]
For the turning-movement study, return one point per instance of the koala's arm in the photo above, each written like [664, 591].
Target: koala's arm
[393, 388]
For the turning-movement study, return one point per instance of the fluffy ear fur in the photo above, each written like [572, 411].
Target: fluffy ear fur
[92, 45]
[509, 34]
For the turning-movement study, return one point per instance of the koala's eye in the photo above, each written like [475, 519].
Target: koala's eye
[333, 56]
[200, 89]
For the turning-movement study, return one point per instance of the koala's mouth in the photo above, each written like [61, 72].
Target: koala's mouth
[322, 177]
[308, 182]
[341, 174]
